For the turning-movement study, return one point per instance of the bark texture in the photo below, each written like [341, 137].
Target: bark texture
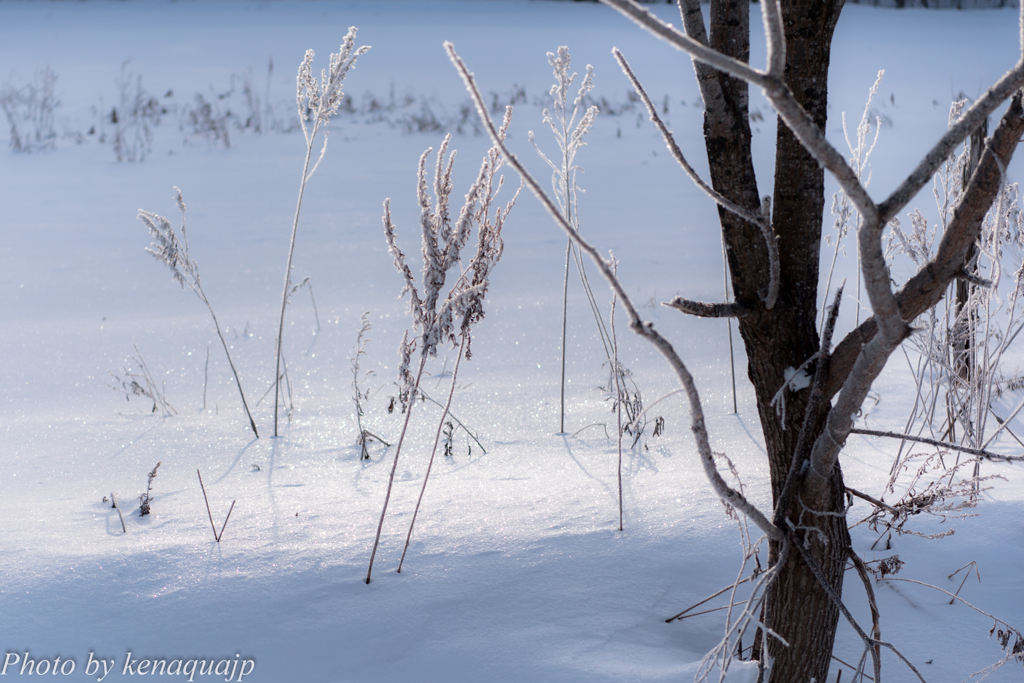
[785, 336]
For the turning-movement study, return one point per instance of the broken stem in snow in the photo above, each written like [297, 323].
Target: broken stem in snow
[113, 499]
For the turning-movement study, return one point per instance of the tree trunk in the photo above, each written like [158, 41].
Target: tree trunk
[786, 336]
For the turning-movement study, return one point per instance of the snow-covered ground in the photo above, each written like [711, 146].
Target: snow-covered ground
[517, 571]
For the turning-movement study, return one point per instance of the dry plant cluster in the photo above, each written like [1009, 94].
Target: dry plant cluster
[957, 369]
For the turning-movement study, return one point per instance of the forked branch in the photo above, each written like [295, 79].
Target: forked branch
[643, 328]
[758, 219]
[928, 286]
[677, 153]
[872, 356]
[871, 644]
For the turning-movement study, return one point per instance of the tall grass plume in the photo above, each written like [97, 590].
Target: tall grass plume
[172, 251]
[317, 102]
[437, 321]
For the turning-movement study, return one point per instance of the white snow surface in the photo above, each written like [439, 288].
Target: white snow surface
[517, 571]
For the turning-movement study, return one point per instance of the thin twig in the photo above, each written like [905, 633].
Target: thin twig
[565, 318]
[873, 501]
[988, 455]
[424, 394]
[942, 590]
[862, 571]
[206, 375]
[619, 395]
[710, 597]
[852, 668]
[974, 565]
[593, 424]
[753, 217]
[707, 611]
[641, 327]
[221, 534]
[800, 451]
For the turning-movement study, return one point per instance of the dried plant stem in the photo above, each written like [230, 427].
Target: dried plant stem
[319, 101]
[852, 668]
[216, 536]
[113, 499]
[565, 314]
[357, 393]
[210, 514]
[874, 501]
[433, 452]
[593, 424]
[216, 325]
[222, 526]
[951, 595]
[206, 375]
[459, 422]
[618, 401]
[394, 464]
[288, 268]
[316, 313]
[173, 252]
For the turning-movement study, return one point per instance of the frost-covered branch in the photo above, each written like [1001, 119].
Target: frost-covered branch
[928, 286]
[759, 219]
[872, 356]
[643, 328]
[775, 90]
[980, 452]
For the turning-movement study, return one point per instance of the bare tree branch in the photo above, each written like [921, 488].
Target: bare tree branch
[771, 13]
[672, 36]
[972, 279]
[928, 286]
[980, 452]
[760, 220]
[705, 310]
[643, 328]
[775, 89]
[1001, 91]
